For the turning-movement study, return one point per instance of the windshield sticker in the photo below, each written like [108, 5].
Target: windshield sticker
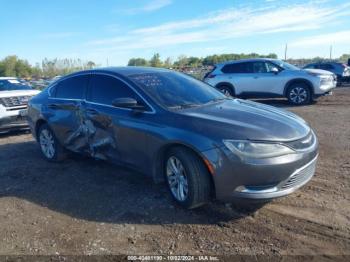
[14, 81]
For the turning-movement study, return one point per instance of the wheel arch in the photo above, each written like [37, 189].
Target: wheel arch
[38, 124]
[158, 163]
[298, 80]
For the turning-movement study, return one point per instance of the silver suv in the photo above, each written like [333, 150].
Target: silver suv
[271, 78]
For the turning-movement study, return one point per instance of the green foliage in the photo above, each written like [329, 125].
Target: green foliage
[155, 61]
[137, 62]
[192, 61]
[15, 67]
[344, 58]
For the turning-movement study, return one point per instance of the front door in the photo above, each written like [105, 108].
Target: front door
[119, 133]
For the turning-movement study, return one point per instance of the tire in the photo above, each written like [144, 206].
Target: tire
[226, 90]
[49, 145]
[192, 172]
[299, 94]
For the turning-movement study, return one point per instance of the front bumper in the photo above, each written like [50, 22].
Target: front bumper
[13, 119]
[260, 179]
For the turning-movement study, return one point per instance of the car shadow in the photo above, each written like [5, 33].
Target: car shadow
[98, 191]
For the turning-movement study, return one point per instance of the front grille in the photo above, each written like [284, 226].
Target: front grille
[14, 101]
[300, 176]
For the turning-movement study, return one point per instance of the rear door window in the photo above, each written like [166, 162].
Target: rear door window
[238, 68]
[72, 88]
[104, 89]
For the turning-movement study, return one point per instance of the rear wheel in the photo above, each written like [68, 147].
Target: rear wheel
[50, 147]
[226, 90]
[299, 94]
[187, 178]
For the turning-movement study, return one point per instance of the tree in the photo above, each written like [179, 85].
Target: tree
[90, 65]
[168, 63]
[155, 61]
[182, 61]
[137, 62]
[344, 58]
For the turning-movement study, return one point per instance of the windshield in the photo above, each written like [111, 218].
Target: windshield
[176, 90]
[14, 84]
[285, 65]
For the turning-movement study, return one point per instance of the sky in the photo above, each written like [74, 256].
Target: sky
[113, 31]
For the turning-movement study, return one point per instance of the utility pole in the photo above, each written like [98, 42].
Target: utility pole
[330, 52]
[107, 62]
[285, 52]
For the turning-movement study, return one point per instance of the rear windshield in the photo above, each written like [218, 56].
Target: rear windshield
[173, 89]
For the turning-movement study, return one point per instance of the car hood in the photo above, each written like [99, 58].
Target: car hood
[319, 71]
[19, 93]
[242, 119]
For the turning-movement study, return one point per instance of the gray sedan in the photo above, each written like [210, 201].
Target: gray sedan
[175, 129]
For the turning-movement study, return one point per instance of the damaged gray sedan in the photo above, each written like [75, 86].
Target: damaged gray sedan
[176, 129]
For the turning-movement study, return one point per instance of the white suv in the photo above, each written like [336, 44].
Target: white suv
[271, 78]
[14, 96]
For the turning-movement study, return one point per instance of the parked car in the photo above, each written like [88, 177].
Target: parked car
[270, 78]
[176, 129]
[14, 96]
[342, 71]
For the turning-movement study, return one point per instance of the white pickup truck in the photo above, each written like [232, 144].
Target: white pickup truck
[14, 97]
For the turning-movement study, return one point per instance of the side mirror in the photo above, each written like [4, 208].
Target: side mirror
[275, 70]
[127, 102]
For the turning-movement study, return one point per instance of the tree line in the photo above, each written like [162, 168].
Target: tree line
[192, 61]
[16, 67]
[48, 68]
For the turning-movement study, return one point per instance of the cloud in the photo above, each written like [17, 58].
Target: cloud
[227, 25]
[341, 37]
[149, 7]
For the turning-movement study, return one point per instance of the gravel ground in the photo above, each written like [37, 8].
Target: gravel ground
[83, 206]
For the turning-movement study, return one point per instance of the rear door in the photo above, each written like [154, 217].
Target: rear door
[65, 109]
[240, 75]
[119, 133]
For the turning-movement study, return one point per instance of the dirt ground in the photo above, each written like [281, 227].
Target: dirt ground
[83, 206]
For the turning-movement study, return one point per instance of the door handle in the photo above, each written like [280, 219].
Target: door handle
[69, 106]
[91, 111]
[52, 106]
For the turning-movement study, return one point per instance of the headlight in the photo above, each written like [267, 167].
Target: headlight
[257, 149]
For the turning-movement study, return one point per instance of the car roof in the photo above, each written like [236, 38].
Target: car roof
[246, 60]
[121, 71]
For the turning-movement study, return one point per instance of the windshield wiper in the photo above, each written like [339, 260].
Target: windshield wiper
[184, 106]
[218, 99]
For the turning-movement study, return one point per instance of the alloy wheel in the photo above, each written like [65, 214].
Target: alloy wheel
[47, 143]
[298, 95]
[177, 178]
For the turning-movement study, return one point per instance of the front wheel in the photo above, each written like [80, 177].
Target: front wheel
[187, 178]
[299, 94]
[50, 147]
